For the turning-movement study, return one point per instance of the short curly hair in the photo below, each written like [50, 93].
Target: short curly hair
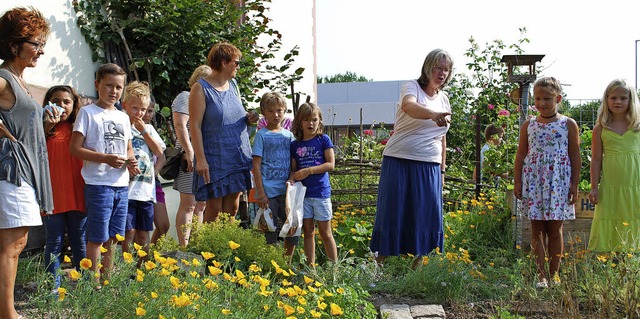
[19, 25]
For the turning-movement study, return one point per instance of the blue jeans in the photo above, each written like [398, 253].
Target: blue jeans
[75, 224]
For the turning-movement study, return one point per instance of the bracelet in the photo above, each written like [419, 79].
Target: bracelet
[443, 172]
[143, 132]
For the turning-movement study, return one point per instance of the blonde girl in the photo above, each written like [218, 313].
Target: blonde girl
[615, 173]
[546, 177]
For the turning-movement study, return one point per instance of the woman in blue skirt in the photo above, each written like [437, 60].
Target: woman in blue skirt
[409, 213]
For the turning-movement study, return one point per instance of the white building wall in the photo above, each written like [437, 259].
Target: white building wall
[341, 102]
[67, 58]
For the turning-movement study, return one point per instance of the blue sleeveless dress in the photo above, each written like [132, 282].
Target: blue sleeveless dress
[226, 145]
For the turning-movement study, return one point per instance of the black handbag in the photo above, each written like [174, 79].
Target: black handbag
[172, 167]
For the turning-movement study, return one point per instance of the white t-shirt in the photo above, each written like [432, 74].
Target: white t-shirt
[105, 131]
[142, 187]
[416, 139]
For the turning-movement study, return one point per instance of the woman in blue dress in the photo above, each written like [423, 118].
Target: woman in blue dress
[219, 135]
[409, 210]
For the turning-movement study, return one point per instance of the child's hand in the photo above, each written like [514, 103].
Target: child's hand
[132, 166]
[115, 161]
[52, 115]
[301, 174]
[573, 194]
[593, 196]
[517, 190]
[138, 123]
[263, 201]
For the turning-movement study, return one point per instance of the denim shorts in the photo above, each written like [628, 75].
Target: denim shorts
[318, 209]
[106, 211]
[140, 215]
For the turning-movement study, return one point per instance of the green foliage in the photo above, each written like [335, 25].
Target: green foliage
[584, 114]
[343, 77]
[167, 40]
[215, 237]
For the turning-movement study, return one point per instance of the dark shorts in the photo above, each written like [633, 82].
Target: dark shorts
[140, 215]
[106, 211]
[277, 205]
[159, 193]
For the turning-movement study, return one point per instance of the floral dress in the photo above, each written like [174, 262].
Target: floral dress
[546, 173]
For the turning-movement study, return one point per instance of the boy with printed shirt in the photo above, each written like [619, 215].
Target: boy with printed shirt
[142, 189]
[102, 139]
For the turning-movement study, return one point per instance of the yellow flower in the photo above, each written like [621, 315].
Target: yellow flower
[625, 224]
[602, 258]
[307, 280]
[119, 237]
[195, 262]
[175, 282]
[61, 293]
[340, 290]
[302, 301]
[182, 301]
[226, 311]
[322, 305]
[154, 295]
[288, 310]
[165, 272]
[75, 275]
[315, 314]
[300, 310]
[103, 250]
[233, 245]
[214, 270]
[264, 292]
[140, 312]
[236, 259]
[128, 258]
[142, 253]
[136, 246]
[105, 282]
[194, 274]
[149, 265]
[254, 268]
[336, 310]
[328, 293]
[161, 317]
[266, 307]
[207, 255]
[66, 259]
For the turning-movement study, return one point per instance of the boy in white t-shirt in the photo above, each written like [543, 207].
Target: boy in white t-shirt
[102, 139]
[142, 187]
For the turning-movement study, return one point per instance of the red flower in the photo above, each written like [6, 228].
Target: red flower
[368, 132]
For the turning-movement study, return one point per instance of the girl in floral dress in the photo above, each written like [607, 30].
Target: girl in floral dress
[547, 172]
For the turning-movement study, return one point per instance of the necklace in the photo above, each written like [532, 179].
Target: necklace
[22, 82]
[548, 117]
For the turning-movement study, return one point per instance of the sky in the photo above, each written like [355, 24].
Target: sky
[586, 44]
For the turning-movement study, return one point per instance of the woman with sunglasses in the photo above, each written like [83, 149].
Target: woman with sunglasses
[219, 135]
[25, 185]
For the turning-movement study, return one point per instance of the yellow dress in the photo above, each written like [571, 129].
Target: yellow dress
[616, 221]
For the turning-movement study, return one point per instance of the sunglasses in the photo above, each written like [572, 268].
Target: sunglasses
[236, 63]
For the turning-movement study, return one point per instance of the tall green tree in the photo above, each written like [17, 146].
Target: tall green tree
[343, 77]
[165, 40]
